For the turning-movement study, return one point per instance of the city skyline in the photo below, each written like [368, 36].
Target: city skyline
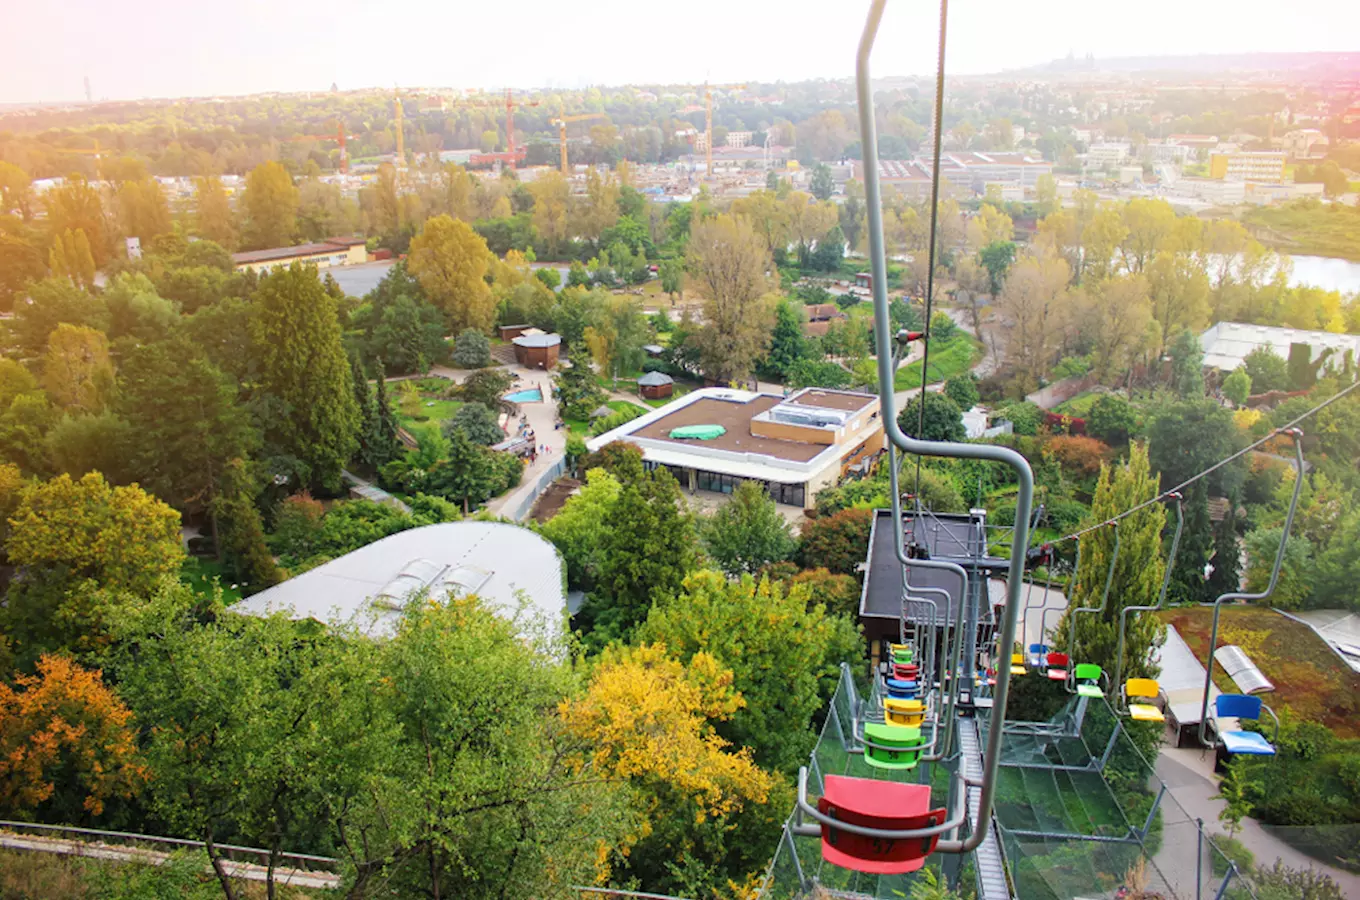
[262, 48]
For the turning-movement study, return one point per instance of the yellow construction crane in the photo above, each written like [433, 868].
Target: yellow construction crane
[561, 123]
[708, 120]
[401, 140]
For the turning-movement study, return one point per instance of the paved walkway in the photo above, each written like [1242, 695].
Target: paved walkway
[1189, 775]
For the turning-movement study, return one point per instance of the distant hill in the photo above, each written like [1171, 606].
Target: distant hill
[1341, 64]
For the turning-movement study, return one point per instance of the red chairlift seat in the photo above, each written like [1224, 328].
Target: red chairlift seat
[886, 805]
[1057, 666]
[906, 672]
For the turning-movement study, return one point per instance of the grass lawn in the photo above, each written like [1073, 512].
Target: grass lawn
[431, 410]
[947, 358]
[1331, 230]
[1309, 679]
[1079, 406]
[200, 574]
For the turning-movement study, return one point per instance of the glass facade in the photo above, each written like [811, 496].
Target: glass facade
[790, 494]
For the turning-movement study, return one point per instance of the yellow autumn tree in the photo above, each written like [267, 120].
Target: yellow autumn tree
[66, 744]
[121, 537]
[450, 261]
[649, 718]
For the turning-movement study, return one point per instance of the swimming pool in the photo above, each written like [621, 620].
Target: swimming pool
[533, 395]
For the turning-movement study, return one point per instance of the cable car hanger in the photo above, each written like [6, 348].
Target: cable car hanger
[1297, 435]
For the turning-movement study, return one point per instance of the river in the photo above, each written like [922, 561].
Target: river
[1326, 273]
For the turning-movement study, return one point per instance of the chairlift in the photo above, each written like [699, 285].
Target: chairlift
[1175, 497]
[1104, 597]
[1057, 666]
[1142, 689]
[882, 827]
[1087, 677]
[1248, 743]
[1239, 705]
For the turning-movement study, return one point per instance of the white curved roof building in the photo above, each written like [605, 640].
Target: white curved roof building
[512, 569]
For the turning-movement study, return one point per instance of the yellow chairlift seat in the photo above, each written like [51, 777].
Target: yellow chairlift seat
[909, 713]
[1146, 688]
[1017, 664]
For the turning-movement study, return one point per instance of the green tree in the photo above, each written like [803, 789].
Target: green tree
[1237, 386]
[783, 649]
[212, 211]
[1187, 437]
[16, 191]
[241, 544]
[1227, 558]
[1137, 572]
[137, 311]
[20, 263]
[963, 390]
[451, 262]
[143, 211]
[1188, 584]
[296, 336]
[77, 369]
[384, 443]
[1112, 419]
[997, 258]
[1187, 365]
[1295, 586]
[787, 343]
[729, 262]
[650, 547]
[943, 420]
[102, 442]
[747, 533]
[672, 273]
[270, 205]
[471, 350]
[52, 302]
[822, 186]
[76, 205]
[187, 423]
[1267, 370]
[477, 422]
[579, 530]
[837, 543]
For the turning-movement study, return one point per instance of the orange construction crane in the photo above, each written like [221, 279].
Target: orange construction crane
[510, 103]
[339, 137]
[561, 123]
[708, 119]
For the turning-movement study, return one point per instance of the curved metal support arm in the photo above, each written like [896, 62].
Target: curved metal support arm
[882, 339]
[1104, 597]
[954, 820]
[1297, 435]
[1274, 738]
[1161, 596]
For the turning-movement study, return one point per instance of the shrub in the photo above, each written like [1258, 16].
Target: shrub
[1111, 419]
[477, 422]
[838, 543]
[1080, 457]
[620, 417]
[963, 390]
[943, 420]
[1026, 417]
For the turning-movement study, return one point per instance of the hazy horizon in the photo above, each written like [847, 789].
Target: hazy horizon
[261, 48]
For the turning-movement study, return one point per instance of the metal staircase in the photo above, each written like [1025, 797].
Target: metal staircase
[991, 870]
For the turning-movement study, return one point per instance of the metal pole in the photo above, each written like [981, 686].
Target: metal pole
[1199, 858]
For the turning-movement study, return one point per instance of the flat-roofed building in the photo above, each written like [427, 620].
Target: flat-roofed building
[1226, 344]
[349, 251]
[1266, 166]
[794, 446]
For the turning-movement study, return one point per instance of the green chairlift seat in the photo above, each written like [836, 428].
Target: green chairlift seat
[892, 746]
[698, 432]
[1087, 676]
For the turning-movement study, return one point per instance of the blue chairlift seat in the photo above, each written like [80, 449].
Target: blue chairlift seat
[1242, 706]
[1038, 655]
[903, 690]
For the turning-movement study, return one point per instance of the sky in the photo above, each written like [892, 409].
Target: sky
[171, 48]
